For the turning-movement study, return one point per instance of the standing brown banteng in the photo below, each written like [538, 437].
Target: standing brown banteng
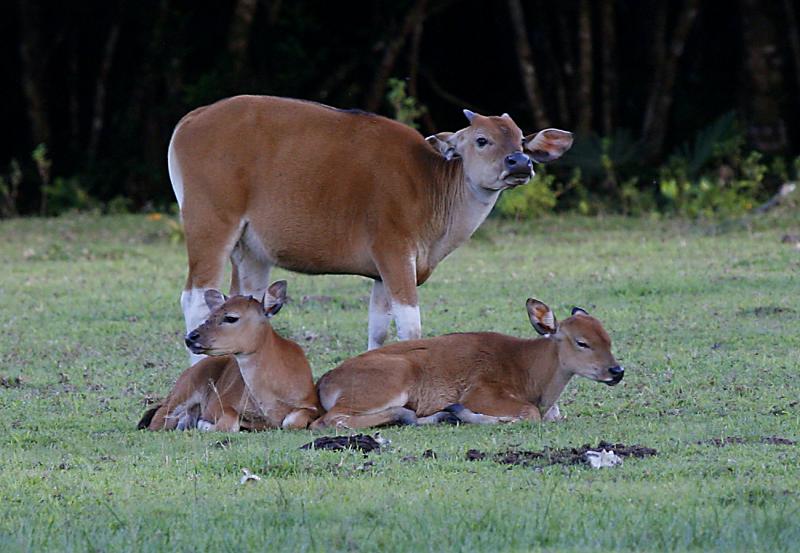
[480, 377]
[270, 181]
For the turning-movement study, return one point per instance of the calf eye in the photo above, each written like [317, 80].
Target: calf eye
[481, 142]
[230, 319]
[582, 344]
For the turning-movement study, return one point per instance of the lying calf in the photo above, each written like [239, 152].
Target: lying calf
[480, 377]
[253, 378]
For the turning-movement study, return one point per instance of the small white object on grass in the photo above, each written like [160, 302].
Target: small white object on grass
[603, 458]
[383, 442]
[248, 476]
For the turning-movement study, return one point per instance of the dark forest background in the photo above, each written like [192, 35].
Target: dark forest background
[681, 104]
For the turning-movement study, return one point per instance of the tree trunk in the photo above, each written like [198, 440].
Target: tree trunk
[143, 106]
[274, 11]
[530, 80]
[585, 69]
[73, 98]
[376, 93]
[239, 34]
[33, 69]
[766, 127]
[654, 129]
[794, 38]
[98, 113]
[609, 83]
[413, 75]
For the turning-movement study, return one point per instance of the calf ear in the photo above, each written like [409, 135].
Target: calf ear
[547, 145]
[442, 144]
[578, 310]
[542, 317]
[274, 298]
[214, 299]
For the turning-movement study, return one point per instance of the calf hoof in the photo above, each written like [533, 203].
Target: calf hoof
[205, 426]
[447, 418]
[407, 417]
[553, 414]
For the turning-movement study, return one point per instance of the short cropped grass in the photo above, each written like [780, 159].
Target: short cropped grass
[707, 325]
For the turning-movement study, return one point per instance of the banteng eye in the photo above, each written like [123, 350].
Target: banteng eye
[481, 142]
[230, 319]
[582, 344]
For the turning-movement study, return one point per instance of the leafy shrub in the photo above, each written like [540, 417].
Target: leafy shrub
[67, 194]
[406, 108]
[528, 200]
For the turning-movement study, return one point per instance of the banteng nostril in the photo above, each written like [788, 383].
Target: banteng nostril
[192, 336]
[517, 159]
[616, 371]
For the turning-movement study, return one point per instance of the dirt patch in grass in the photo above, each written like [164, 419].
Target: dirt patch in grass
[735, 440]
[768, 311]
[559, 456]
[12, 381]
[359, 442]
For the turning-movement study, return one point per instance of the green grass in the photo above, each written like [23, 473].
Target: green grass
[707, 326]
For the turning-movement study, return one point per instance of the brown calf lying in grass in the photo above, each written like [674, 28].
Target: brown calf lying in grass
[253, 378]
[480, 377]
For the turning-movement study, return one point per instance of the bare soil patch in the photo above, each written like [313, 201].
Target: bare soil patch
[359, 442]
[736, 440]
[559, 456]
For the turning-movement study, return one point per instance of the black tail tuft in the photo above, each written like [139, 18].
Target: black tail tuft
[147, 418]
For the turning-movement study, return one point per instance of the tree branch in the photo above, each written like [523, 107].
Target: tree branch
[530, 81]
[376, 92]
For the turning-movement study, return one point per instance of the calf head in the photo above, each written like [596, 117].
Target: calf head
[236, 325]
[495, 154]
[584, 347]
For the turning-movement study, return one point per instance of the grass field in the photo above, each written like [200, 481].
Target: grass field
[707, 326]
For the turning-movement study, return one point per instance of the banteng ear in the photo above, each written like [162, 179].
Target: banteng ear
[214, 299]
[547, 145]
[578, 310]
[542, 317]
[274, 298]
[442, 144]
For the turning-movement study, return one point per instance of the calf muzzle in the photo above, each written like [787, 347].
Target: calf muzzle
[617, 373]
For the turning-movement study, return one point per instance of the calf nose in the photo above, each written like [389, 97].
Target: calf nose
[518, 161]
[192, 337]
[616, 371]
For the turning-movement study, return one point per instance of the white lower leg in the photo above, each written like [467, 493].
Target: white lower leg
[380, 315]
[195, 312]
[406, 317]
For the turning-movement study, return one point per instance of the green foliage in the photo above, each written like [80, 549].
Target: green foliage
[529, 200]
[67, 194]
[119, 205]
[713, 175]
[406, 108]
[716, 175]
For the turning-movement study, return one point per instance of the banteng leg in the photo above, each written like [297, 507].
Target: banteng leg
[340, 419]
[209, 242]
[485, 405]
[250, 276]
[399, 275]
[299, 419]
[380, 315]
